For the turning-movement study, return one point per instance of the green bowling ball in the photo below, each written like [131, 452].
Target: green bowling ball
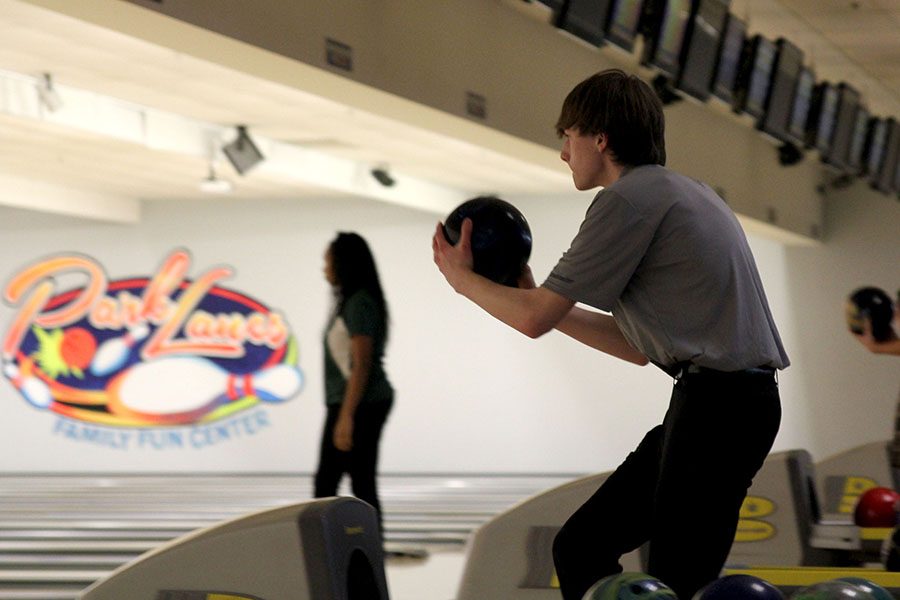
[876, 591]
[833, 589]
[629, 586]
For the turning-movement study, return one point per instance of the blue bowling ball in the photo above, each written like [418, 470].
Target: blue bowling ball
[739, 587]
[501, 237]
[630, 586]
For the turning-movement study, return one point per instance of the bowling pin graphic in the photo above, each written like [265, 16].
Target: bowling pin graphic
[35, 390]
[181, 389]
[113, 353]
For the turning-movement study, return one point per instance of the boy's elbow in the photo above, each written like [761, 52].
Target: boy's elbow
[533, 333]
[534, 328]
[543, 313]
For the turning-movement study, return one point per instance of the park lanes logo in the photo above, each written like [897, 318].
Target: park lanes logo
[126, 360]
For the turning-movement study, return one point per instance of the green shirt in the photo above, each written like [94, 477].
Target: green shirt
[360, 315]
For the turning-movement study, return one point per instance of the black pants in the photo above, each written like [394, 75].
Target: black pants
[361, 463]
[681, 489]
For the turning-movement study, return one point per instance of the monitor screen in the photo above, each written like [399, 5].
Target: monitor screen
[585, 19]
[729, 57]
[779, 103]
[897, 175]
[857, 140]
[873, 147]
[754, 76]
[797, 124]
[662, 48]
[624, 19]
[704, 34]
[884, 179]
[844, 122]
[822, 115]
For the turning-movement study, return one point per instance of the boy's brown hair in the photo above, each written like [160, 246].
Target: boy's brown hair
[625, 109]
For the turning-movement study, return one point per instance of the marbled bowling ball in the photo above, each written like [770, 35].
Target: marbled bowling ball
[629, 586]
[876, 591]
[834, 589]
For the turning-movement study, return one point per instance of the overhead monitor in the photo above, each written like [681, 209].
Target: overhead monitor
[885, 178]
[585, 19]
[666, 29]
[874, 146]
[823, 111]
[857, 140]
[779, 103]
[754, 76]
[897, 175]
[728, 59]
[624, 20]
[838, 155]
[705, 29]
[797, 124]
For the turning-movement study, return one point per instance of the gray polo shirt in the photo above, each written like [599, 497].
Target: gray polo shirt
[668, 258]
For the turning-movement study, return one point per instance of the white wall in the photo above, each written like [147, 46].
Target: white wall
[849, 394]
[473, 395]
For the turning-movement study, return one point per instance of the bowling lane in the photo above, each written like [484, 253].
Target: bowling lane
[60, 533]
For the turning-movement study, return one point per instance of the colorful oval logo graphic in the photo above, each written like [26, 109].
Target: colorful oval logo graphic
[144, 352]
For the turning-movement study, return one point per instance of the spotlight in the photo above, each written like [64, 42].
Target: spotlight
[49, 97]
[383, 177]
[213, 185]
[242, 152]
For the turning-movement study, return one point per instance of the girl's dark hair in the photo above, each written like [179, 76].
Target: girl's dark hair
[354, 268]
[625, 109]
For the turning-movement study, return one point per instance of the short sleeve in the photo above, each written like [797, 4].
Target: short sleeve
[605, 253]
[361, 315]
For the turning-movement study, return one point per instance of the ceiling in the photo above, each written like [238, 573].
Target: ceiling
[98, 70]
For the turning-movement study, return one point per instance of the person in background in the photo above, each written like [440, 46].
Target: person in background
[358, 395]
[888, 346]
[666, 256]
[891, 345]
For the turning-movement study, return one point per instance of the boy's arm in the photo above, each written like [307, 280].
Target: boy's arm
[530, 310]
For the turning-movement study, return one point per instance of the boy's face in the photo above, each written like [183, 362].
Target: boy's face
[584, 155]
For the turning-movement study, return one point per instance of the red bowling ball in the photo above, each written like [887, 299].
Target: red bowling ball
[877, 507]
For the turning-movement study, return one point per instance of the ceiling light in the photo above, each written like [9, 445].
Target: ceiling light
[242, 152]
[49, 97]
[214, 185]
